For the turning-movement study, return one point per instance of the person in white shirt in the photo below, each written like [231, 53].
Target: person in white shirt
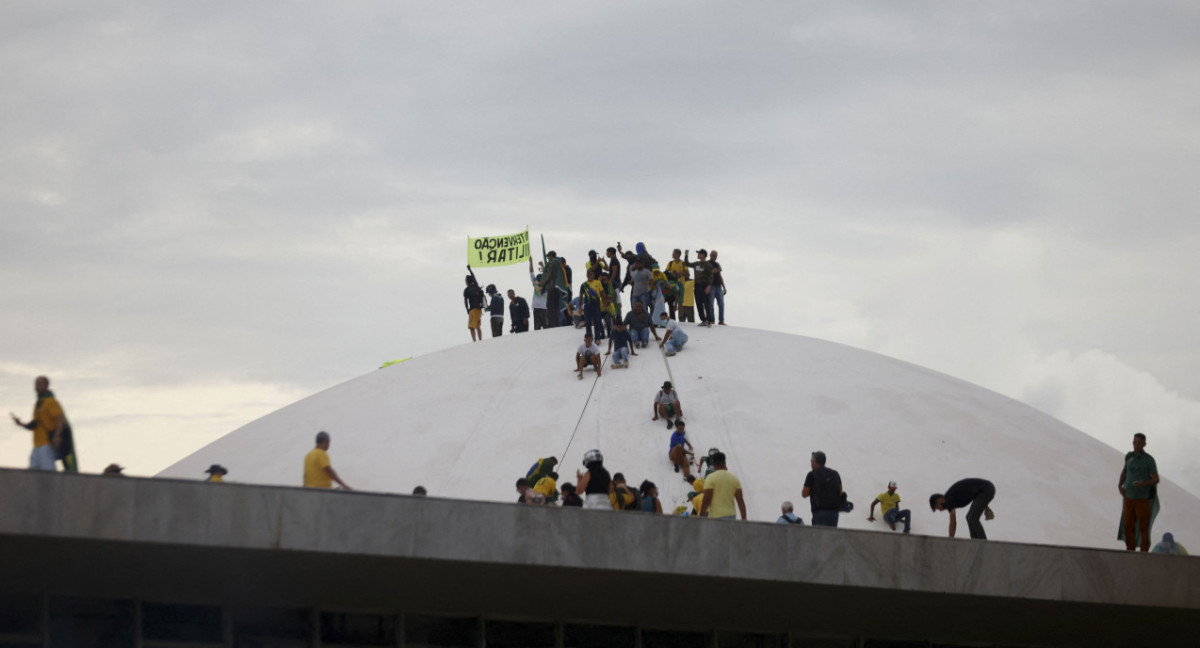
[588, 354]
[675, 338]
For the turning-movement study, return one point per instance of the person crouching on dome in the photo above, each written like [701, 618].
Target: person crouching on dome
[587, 354]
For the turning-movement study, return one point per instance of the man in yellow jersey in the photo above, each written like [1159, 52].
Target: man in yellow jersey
[47, 424]
[318, 473]
[890, 506]
[721, 489]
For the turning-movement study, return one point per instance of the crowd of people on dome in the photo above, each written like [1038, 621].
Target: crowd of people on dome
[681, 291]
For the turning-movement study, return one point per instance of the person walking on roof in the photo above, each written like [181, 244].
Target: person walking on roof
[51, 432]
[1138, 486]
[823, 488]
[318, 470]
[721, 490]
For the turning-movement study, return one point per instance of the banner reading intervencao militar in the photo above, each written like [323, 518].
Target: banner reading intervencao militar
[497, 250]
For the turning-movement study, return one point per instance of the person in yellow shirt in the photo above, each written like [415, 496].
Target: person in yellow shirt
[318, 472]
[890, 506]
[216, 473]
[48, 425]
[548, 486]
[721, 489]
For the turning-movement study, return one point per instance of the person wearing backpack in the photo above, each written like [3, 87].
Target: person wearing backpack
[823, 488]
[789, 516]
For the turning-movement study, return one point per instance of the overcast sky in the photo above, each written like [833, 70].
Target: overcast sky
[210, 210]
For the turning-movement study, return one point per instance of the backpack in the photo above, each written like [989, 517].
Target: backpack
[826, 489]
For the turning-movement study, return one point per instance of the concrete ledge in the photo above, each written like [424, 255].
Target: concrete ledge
[168, 541]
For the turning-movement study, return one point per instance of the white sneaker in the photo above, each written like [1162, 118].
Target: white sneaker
[670, 353]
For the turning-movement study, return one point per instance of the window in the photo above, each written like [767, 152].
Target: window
[194, 623]
[271, 628]
[349, 629]
[512, 634]
[598, 636]
[674, 639]
[90, 623]
[441, 632]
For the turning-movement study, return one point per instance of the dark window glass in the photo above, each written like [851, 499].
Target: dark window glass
[513, 634]
[19, 615]
[20, 644]
[822, 642]
[441, 632]
[597, 636]
[271, 628]
[358, 629]
[88, 623]
[673, 639]
[181, 622]
[891, 643]
[747, 640]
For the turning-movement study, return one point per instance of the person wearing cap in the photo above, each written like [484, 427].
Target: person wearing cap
[666, 403]
[823, 489]
[318, 470]
[721, 490]
[473, 301]
[216, 473]
[973, 492]
[496, 310]
[674, 339]
[588, 353]
[518, 312]
[680, 451]
[420, 491]
[890, 506]
[1169, 546]
[114, 470]
[703, 286]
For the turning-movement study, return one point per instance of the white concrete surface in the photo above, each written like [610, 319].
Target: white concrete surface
[467, 421]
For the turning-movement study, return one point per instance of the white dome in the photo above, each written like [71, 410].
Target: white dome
[468, 421]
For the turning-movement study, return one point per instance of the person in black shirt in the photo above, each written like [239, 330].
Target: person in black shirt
[977, 493]
[496, 309]
[823, 488]
[473, 300]
[518, 312]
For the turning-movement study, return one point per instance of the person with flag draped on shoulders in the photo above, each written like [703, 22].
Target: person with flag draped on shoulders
[51, 432]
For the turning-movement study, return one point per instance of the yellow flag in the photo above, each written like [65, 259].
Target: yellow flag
[490, 251]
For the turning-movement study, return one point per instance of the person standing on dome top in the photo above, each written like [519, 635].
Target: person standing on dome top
[718, 287]
[318, 470]
[614, 273]
[666, 403]
[596, 483]
[703, 287]
[473, 300]
[518, 312]
[554, 285]
[589, 297]
[974, 492]
[642, 281]
[648, 262]
[496, 310]
[539, 299]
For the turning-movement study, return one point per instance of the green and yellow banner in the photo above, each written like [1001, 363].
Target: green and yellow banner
[488, 251]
